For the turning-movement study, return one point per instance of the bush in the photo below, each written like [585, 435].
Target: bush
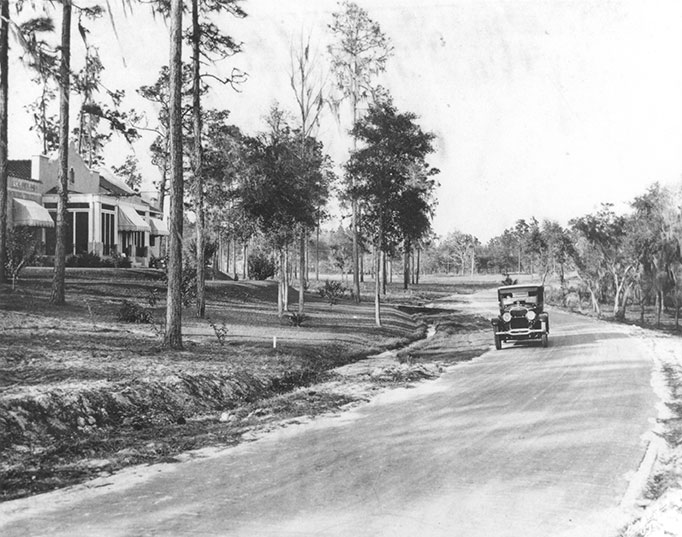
[297, 319]
[130, 312]
[261, 267]
[332, 291]
[84, 260]
[158, 262]
[43, 261]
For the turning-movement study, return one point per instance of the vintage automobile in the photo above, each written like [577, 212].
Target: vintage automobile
[522, 315]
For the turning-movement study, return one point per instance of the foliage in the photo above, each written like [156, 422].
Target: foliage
[289, 181]
[84, 260]
[22, 249]
[390, 177]
[130, 172]
[358, 53]
[261, 267]
[390, 173]
[341, 250]
[220, 330]
[158, 262]
[131, 312]
[601, 257]
[297, 319]
[332, 291]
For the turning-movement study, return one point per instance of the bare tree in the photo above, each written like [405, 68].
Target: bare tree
[309, 89]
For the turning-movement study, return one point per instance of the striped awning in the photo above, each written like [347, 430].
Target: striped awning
[129, 220]
[30, 213]
[159, 227]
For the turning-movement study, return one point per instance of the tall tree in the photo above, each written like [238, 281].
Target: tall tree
[359, 53]
[600, 256]
[173, 334]
[309, 88]
[284, 192]
[207, 42]
[26, 35]
[4, 91]
[58, 282]
[382, 170]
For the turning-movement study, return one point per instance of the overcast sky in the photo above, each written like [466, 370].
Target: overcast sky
[541, 108]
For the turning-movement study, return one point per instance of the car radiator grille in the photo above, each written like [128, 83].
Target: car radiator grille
[519, 322]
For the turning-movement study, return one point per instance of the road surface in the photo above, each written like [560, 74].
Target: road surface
[520, 442]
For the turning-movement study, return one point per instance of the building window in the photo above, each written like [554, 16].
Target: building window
[72, 176]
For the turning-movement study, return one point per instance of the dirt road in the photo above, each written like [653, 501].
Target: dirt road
[524, 441]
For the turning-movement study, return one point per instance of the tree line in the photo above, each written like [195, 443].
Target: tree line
[270, 188]
[621, 260]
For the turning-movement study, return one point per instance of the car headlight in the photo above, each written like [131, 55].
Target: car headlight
[530, 315]
[506, 316]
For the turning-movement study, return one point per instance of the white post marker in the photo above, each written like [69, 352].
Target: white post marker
[274, 342]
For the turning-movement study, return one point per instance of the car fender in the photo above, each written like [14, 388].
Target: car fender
[544, 318]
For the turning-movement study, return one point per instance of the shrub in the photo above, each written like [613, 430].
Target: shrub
[43, 261]
[84, 260]
[220, 330]
[261, 267]
[21, 249]
[332, 291]
[130, 312]
[158, 262]
[297, 319]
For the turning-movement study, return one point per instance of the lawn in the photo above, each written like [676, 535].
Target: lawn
[83, 394]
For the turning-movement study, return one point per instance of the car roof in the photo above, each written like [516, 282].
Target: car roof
[519, 286]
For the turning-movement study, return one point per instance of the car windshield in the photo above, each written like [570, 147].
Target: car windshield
[526, 296]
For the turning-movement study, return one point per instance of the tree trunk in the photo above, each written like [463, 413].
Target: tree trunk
[406, 264]
[377, 285]
[301, 276]
[162, 186]
[595, 303]
[4, 93]
[198, 161]
[173, 335]
[659, 307]
[58, 282]
[245, 260]
[418, 267]
[383, 273]
[317, 251]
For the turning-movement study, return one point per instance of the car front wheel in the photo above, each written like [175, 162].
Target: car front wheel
[498, 342]
[545, 340]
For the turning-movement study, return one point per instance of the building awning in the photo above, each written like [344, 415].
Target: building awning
[129, 220]
[30, 213]
[159, 227]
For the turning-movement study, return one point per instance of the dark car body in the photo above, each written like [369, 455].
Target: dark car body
[522, 315]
